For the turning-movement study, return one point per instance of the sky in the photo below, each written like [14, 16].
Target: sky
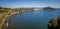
[29, 3]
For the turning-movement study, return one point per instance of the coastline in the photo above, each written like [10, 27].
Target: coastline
[3, 21]
[11, 14]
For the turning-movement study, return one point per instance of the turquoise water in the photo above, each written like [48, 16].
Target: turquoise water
[34, 19]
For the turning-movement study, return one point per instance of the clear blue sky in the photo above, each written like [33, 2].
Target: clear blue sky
[29, 3]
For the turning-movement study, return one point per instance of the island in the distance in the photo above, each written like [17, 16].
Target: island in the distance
[48, 8]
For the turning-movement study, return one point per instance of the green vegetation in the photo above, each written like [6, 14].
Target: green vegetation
[4, 12]
[47, 8]
[54, 23]
[8, 11]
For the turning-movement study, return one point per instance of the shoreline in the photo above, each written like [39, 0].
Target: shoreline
[4, 19]
[11, 14]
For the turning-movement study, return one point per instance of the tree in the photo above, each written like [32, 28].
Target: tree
[53, 24]
[58, 19]
[0, 8]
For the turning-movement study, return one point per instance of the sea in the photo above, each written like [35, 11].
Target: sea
[36, 19]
